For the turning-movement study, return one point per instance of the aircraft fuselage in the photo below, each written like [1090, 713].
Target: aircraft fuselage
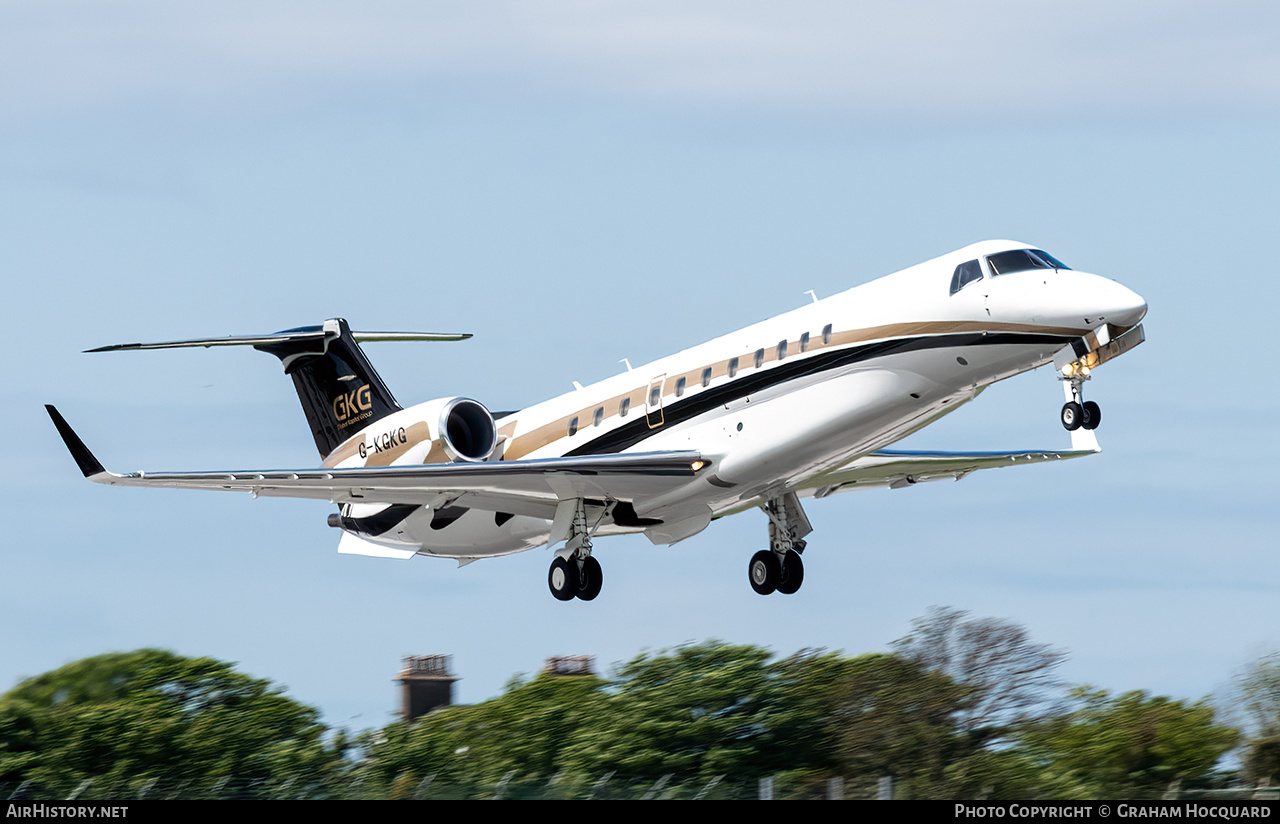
[781, 401]
[803, 404]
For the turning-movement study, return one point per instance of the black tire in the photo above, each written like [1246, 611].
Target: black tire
[764, 572]
[1072, 415]
[590, 580]
[792, 573]
[1092, 415]
[562, 579]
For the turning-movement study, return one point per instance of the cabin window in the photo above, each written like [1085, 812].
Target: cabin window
[598, 417]
[733, 367]
[965, 273]
[706, 376]
[573, 425]
[624, 406]
[804, 342]
[655, 395]
[759, 358]
[782, 349]
[826, 334]
[680, 382]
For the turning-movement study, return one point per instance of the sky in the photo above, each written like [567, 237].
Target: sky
[576, 183]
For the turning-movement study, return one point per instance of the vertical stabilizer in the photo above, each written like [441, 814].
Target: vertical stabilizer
[339, 389]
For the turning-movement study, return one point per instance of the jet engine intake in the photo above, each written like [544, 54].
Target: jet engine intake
[466, 430]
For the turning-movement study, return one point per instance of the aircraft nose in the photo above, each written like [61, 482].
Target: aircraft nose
[1120, 305]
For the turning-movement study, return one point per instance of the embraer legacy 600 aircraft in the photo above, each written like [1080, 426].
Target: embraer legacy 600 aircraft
[801, 405]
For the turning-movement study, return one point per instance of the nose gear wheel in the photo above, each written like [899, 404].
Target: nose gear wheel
[1078, 413]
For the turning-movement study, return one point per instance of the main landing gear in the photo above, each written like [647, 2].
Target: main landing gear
[780, 568]
[1075, 414]
[575, 573]
[576, 577]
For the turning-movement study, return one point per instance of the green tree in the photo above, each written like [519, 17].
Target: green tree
[1131, 741]
[897, 719]
[704, 709]
[1253, 701]
[1262, 761]
[700, 710]
[153, 714]
[1012, 678]
[524, 730]
[1258, 689]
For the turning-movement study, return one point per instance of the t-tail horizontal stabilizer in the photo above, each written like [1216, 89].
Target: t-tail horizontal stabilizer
[290, 336]
[340, 391]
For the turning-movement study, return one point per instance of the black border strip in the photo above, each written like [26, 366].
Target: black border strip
[632, 433]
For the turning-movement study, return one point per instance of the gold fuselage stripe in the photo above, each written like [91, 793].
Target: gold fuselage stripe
[553, 431]
[548, 433]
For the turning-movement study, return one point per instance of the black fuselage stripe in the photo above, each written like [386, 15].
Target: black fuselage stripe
[675, 412]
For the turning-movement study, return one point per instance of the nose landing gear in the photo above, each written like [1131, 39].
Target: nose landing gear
[1075, 414]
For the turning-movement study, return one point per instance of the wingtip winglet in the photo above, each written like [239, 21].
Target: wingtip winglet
[88, 464]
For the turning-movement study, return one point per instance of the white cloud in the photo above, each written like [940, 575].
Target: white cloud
[917, 58]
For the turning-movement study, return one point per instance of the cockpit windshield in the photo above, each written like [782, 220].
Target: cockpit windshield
[1022, 260]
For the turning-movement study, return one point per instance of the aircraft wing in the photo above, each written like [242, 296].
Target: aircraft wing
[530, 487]
[536, 487]
[897, 469]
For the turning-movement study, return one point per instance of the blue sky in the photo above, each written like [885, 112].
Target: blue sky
[574, 184]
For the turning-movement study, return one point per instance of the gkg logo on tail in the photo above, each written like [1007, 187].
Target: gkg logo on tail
[347, 408]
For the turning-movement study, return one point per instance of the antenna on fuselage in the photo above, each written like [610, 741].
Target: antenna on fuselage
[627, 362]
[810, 293]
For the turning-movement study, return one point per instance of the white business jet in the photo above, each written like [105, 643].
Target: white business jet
[802, 405]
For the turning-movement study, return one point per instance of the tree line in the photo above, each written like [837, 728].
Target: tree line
[961, 707]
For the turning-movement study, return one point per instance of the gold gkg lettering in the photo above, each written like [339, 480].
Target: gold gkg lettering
[352, 403]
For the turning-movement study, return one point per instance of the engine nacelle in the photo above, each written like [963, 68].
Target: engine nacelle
[461, 428]
[446, 430]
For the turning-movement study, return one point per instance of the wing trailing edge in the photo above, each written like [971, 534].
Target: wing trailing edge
[897, 469]
[532, 487]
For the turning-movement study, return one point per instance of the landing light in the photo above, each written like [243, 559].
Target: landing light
[697, 466]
